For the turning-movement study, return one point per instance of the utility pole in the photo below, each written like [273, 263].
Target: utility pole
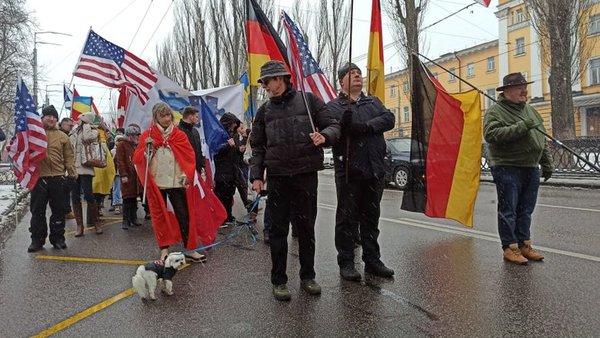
[35, 72]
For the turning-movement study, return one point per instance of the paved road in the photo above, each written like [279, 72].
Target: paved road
[450, 281]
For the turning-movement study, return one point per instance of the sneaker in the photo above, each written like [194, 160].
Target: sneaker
[379, 269]
[530, 253]
[281, 292]
[513, 254]
[117, 210]
[310, 286]
[348, 272]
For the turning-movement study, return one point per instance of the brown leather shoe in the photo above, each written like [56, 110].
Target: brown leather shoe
[513, 254]
[530, 253]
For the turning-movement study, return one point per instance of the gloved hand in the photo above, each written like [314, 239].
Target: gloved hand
[359, 128]
[149, 140]
[530, 123]
[346, 121]
[546, 174]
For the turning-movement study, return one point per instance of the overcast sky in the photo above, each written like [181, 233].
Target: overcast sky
[118, 20]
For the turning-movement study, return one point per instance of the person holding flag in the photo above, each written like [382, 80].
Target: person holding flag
[50, 187]
[286, 144]
[359, 173]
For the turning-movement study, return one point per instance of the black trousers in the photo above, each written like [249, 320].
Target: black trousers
[82, 184]
[178, 200]
[292, 198]
[48, 190]
[68, 186]
[225, 190]
[358, 209]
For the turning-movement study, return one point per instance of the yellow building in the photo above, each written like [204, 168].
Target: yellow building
[518, 49]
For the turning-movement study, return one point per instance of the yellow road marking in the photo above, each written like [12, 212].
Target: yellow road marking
[71, 233]
[91, 260]
[84, 314]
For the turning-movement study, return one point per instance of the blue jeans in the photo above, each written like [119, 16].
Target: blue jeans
[116, 191]
[517, 189]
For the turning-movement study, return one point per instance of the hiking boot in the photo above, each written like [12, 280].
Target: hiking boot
[35, 246]
[530, 253]
[281, 292]
[310, 286]
[60, 244]
[379, 269]
[513, 254]
[348, 272]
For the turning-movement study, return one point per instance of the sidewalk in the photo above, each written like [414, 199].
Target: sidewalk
[559, 180]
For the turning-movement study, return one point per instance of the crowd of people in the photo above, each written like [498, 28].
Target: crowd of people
[161, 164]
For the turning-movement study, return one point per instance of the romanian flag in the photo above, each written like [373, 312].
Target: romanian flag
[81, 104]
[375, 75]
[249, 110]
[485, 3]
[264, 44]
[445, 151]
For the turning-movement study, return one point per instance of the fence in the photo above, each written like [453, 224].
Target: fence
[13, 203]
[564, 162]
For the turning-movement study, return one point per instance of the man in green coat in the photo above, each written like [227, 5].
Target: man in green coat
[516, 153]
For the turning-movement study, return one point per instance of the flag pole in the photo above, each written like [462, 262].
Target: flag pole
[347, 155]
[560, 143]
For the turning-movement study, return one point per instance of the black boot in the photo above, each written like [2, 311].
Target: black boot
[35, 246]
[379, 269]
[348, 272]
[132, 213]
[60, 244]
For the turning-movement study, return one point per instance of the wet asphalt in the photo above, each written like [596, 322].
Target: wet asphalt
[450, 280]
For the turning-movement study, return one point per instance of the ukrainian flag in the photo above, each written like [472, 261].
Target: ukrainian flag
[248, 104]
[81, 105]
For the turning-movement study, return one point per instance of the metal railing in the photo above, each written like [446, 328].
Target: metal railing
[565, 163]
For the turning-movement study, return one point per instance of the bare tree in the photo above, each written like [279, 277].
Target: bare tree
[15, 39]
[337, 35]
[564, 37]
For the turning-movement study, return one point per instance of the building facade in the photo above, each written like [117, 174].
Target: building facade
[517, 49]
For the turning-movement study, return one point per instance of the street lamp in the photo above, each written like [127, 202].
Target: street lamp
[35, 42]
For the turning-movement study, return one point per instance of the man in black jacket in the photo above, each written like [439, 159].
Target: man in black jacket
[287, 146]
[363, 119]
[227, 166]
[188, 120]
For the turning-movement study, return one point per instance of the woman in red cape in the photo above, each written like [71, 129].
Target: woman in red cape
[173, 189]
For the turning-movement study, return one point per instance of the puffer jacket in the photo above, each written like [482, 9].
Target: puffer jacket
[59, 155]
[280, 137]
[227, 159]
[367, 150]
[194, 138]
[82, 135]
[510, 142]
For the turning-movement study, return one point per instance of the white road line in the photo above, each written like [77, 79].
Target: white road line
[487, 236]
[564, 207]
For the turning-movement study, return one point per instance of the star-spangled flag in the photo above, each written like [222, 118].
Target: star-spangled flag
[308, 75]
[28, 145]
[113, 66]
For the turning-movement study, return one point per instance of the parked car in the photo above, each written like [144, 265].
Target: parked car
[327, 158]
[398, 167]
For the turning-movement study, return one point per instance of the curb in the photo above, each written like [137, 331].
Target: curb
[585, 183]
[14, 212]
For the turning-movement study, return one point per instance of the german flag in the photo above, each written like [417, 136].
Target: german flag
[375, 74]
[445, 149]
[264, 43]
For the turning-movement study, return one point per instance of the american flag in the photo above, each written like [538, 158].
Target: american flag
[309, 76]
[113, 66]
[28, 146]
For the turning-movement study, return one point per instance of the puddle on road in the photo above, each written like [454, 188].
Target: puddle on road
[400, 299]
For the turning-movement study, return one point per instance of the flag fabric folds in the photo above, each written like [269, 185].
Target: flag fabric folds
[68, 97]
[485, 3]
[214, 133]
[445, 150]
[309, 77]
[29, 143]
[115, 67]
[264, 43]
[375, 70]
[249, 110]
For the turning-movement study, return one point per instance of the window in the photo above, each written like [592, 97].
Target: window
[451, 77]
[520, 17]
[406, 114]
[594, 25]
[491, 64]
[470, 69]
[594, 69]
[395, 112]
[405, 86]
[393, 91]
[491, 93]
[520, 46]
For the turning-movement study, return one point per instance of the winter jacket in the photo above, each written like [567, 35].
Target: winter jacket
[123, 158]
[510, 142]
[194, 138]
[280, 135]
[165, 170]
[227, 159]
[59, 155]
[82, 135]
[367, 148]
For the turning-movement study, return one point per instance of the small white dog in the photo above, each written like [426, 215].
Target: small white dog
[156, 272]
